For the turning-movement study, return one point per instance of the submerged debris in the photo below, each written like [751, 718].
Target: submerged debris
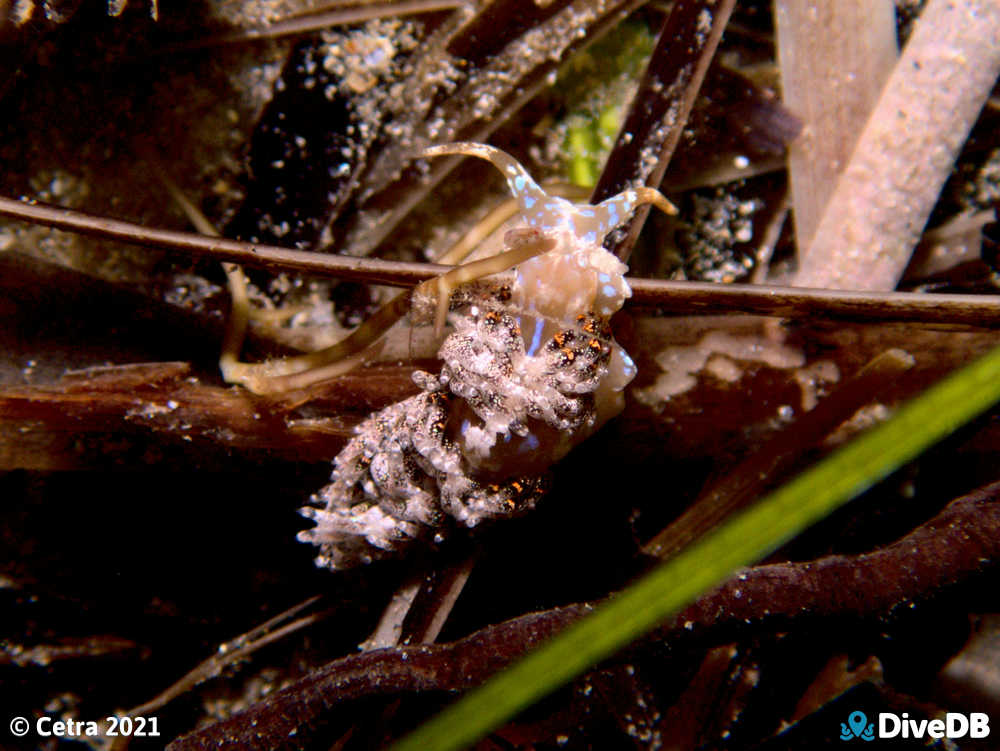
[717, 241]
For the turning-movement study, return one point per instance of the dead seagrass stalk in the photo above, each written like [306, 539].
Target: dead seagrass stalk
[529, 370]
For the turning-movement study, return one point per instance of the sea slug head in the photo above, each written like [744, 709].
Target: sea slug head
[578, 276]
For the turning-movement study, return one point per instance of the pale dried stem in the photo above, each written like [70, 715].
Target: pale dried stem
[835, 59]
[392, 627]
[227, 653]
[958, 226]
[239, 296]
[503, 213]
[906, 151]
[452, 584]
[526, 246]
[389, 630]
[769, 241]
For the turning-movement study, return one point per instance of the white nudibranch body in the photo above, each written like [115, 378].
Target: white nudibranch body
[578, 276]
[530, 370]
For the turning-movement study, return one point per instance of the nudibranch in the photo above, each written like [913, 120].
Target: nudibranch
[529, 370]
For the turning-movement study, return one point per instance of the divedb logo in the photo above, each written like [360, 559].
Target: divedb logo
[890, 725]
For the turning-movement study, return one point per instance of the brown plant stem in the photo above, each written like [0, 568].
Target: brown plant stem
[266, 257]
[317, 21]
[660, 108]
[739, 485]
[680, 297]
[502, 61]
[962, 540]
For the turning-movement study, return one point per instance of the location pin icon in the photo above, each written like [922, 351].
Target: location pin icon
[857, 721]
